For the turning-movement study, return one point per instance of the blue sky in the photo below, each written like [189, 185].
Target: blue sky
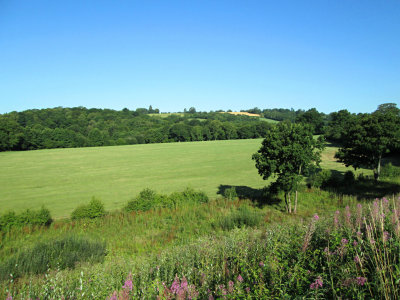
[208, 54]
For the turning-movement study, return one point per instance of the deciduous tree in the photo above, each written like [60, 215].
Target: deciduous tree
[369, 139]
[288, 151]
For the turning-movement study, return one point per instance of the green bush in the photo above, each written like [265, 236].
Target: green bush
[390, 171]
[94, 209]
[39, 217]
[320, 179]
[146, 200]
[57, 254]
[243, 216]
[195, 196]
[230, 193]
[149, 199]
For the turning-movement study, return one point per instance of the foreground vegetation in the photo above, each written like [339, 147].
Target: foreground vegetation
[330, 249]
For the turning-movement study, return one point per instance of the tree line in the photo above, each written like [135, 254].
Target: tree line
[81, 127]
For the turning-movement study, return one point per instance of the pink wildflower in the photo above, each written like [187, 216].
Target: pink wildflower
[345, 241]
[361, 280]
[357, 259]
[240, 278]
[316, 284]
[316, 217]
[261, 264]
[128, 285]
[230, 284]
[113, 296]
[386, 236]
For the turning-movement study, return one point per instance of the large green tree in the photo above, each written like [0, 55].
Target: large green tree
[369, 139]
[288, 151]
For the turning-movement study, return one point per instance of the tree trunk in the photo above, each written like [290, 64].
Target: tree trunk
[286, 203]
[290, 205]
[295, 203]
[377, 171]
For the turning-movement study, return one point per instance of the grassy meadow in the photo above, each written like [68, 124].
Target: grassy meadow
[61, 179]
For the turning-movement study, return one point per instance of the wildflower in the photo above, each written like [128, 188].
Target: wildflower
[336, 219]
[184, 284]
[128, 285]
[348, 215]
[316, 284]
[248, 290]
[355, 243]
[357, 259]
[175, 285]
[240, 278]
[316, 217]
[361, 280]
[344, 241]
[230, 284]
[113, 296]
[261, 264]
[359, 234]
[386, 236]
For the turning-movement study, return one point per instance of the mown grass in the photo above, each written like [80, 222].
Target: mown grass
[62, 179]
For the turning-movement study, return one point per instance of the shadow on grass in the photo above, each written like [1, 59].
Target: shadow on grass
[259, 196]
[364, 188]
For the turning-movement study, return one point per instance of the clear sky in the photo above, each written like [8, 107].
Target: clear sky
[328, 54]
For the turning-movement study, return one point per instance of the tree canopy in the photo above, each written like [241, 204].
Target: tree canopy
[370, 138]
[288, 151]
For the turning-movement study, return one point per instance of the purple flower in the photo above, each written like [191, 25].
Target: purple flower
[316, 217]
[113, 297]
[175, 285]
[386, 236]
[230, 284]
[361, 280]
[261, 264]
[344, 241]
[355, 243]
[128, 285]
[316, 284]
[357, 259]
[240, 278]
[184, 284]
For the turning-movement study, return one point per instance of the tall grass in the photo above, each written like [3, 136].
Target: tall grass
[61, 253]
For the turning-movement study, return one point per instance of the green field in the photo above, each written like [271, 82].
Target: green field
[61, 179]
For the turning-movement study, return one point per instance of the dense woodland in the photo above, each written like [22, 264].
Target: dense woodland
[82, 127]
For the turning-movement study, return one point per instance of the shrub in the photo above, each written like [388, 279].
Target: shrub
[94, 209]
[41, 217]
[195, 196]
[320, 179]
[149, 199]
[61, 253]
[146, 200]
[390, 171]
[230, 193]
[243, 216]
